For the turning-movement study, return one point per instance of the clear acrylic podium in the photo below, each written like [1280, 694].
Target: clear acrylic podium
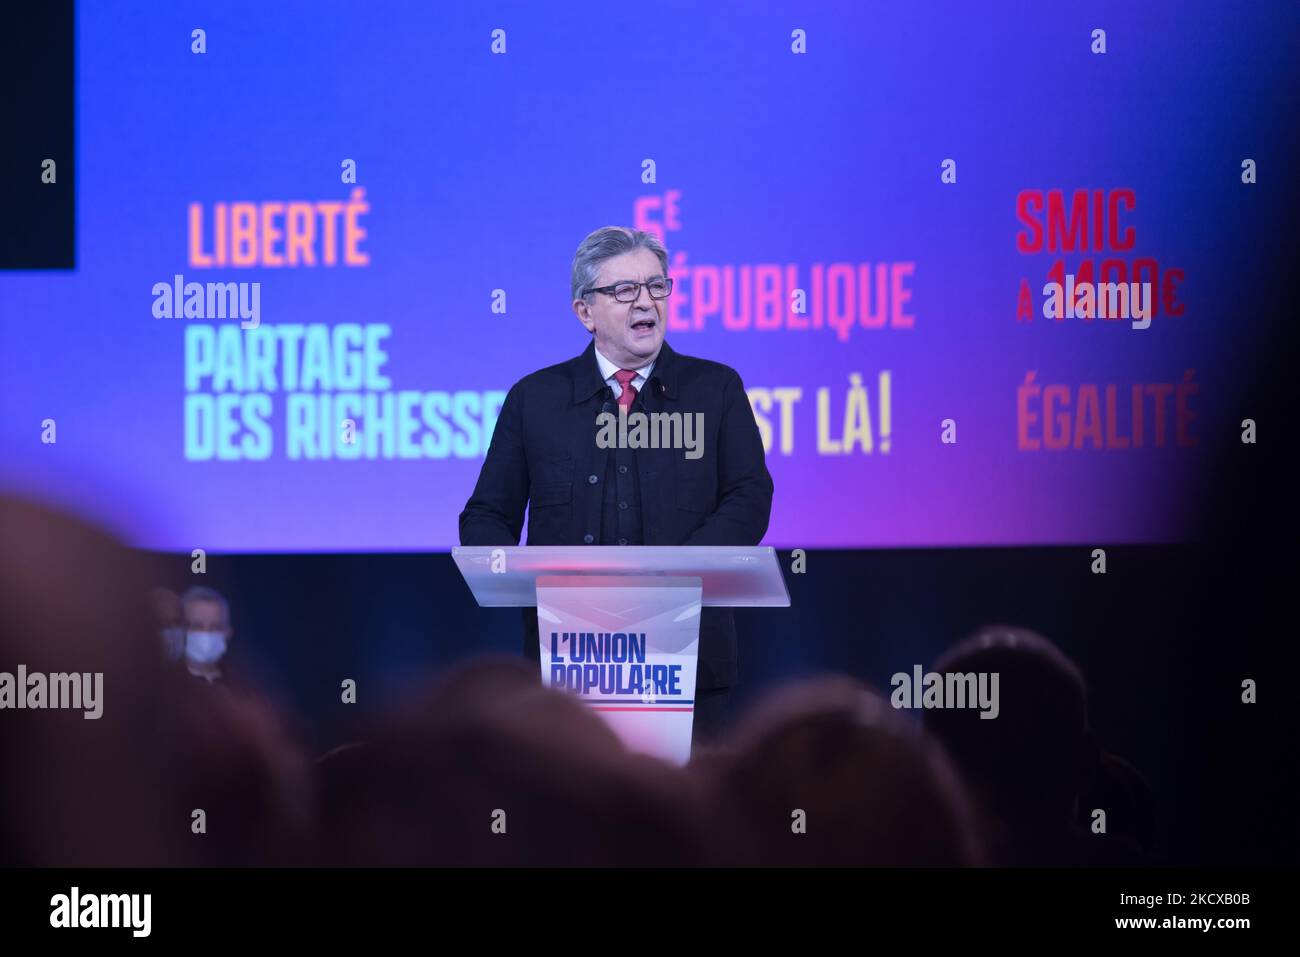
[620, 625]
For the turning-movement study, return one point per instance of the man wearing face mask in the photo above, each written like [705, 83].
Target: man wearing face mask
[207, 632]
[544, 455]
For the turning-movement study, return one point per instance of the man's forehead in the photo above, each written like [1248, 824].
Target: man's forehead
[639, 265]
[200, 605]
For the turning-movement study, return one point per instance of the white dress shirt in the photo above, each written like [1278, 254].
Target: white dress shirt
[607, 369]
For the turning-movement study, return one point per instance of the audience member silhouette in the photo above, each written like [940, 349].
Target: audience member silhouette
[1028, 766]
[827, 773]
[80, 791]
[121, 789]
[496, 770]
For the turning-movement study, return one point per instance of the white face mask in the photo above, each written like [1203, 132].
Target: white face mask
[173, 643]
[205, 647]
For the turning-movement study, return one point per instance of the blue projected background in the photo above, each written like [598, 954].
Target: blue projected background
[863, 204]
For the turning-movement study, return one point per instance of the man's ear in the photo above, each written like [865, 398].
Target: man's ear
[583, 311]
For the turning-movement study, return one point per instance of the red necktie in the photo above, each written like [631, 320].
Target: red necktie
[624, 378]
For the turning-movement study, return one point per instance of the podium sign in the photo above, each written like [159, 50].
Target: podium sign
[620, 625]
[627, 645]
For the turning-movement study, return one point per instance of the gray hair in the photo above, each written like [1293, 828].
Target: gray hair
[200, 593]
[606, 243]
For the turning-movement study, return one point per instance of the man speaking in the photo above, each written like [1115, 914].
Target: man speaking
[545, 455]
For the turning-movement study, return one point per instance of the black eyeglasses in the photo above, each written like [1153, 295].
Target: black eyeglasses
[630, 291]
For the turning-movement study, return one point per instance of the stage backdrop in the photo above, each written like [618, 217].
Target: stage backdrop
[318, 242]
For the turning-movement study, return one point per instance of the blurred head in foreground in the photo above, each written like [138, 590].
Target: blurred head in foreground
[826, 773]
[78, 789]
[494, 769]
[118, 784]
[1026, 767]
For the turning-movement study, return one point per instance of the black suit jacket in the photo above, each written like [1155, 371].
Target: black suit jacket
[544, 453]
